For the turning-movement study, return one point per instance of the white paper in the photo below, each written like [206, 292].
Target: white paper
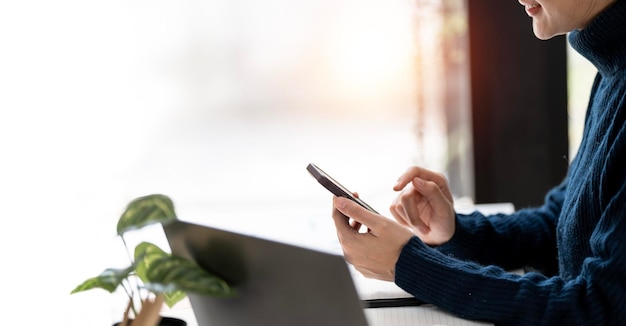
[427, 315]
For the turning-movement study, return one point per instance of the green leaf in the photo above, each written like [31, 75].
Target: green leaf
[108, 280]
[164, 273]
[146, 210]
[171, 296]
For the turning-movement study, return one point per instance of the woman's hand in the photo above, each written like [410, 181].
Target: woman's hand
[425, 205]
[375, 252]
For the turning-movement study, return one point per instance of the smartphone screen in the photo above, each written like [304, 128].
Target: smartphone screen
[335, 187]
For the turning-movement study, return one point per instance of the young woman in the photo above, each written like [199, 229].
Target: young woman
[459, 262]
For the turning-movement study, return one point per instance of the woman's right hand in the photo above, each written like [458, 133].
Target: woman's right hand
[425, 205]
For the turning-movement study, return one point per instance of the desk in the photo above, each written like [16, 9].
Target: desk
[399, 316]
[321, 235]
[396, 316]
[402, 316]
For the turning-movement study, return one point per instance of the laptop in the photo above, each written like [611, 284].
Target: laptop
[278, 284]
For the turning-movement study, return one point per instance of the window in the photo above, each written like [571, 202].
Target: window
[248, 93]
[580, 75]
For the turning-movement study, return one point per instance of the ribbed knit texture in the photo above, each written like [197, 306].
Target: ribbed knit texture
[580, 231]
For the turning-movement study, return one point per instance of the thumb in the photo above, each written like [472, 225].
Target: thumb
[355, 211]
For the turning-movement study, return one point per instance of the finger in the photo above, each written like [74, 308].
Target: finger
[342, 222]
[427, 175]
[410, 210]
[398, 214]
[435, 196]
[397, 210]
[419, 225]
[418, 172]
[353, 210]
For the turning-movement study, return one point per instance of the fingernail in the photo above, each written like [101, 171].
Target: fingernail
[418, 182]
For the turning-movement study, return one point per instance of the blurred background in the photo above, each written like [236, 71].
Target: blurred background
[220, 105]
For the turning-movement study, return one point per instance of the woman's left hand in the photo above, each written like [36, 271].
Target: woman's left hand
[373, 253]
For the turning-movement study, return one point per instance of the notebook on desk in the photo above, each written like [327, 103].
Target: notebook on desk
[281, 284]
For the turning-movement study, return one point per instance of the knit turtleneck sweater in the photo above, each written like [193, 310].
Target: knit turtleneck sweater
[580, 230]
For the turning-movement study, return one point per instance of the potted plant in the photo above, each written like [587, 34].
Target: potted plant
[154, 276]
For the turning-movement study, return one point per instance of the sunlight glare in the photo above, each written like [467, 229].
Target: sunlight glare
[372, 50]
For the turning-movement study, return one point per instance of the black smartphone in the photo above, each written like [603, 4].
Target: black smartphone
[335, 187]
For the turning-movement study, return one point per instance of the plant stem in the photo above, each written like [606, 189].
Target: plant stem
[128, 253]
[131, 294]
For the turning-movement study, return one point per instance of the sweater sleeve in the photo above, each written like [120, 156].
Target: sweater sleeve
[523, 239]
[470, 290]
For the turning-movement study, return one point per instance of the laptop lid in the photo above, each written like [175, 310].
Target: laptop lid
[277, 283]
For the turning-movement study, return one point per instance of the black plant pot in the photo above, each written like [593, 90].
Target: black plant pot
[165, 321]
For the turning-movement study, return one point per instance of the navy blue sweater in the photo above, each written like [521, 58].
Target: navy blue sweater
[581, 228]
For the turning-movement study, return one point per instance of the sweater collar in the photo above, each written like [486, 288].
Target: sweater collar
[603, 42]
